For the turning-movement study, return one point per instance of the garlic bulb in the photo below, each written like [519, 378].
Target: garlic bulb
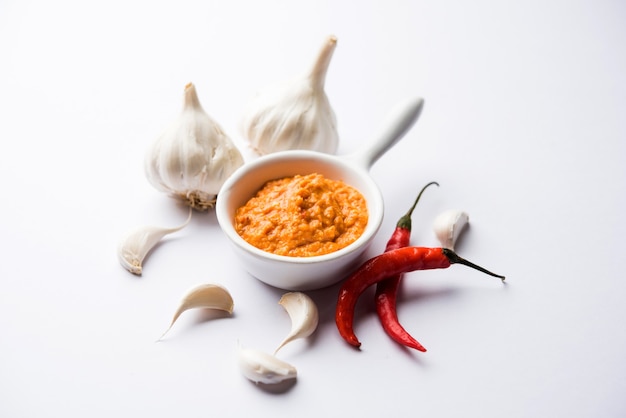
[208, 296]
[136, 244]
[448, 227]
[303, 314]
[193, 157]
[295, 114]
[261, 367]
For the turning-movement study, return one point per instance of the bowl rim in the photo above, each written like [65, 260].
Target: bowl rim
[344, 163]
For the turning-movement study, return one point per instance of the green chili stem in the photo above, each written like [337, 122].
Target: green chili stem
[405, 221]
[456, 259]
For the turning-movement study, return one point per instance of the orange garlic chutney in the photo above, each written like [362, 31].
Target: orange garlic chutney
[303, 216]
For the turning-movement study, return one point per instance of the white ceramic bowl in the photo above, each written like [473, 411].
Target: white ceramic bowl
[307, 273]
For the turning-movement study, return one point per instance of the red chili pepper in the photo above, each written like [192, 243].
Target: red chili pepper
[401, 260]
[387, 290]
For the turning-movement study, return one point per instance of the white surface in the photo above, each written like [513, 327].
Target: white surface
[523, 128]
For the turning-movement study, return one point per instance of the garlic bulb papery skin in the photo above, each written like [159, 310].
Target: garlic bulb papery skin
[303, 313]
[295, 114]
[448, 227]
[136, 244]
[261, 367]
[207, 296]
[193, 157]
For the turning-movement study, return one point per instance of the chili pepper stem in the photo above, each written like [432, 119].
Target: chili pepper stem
[405, 221]
[456, 259]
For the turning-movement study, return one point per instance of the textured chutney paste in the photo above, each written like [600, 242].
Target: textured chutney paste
[303, 216]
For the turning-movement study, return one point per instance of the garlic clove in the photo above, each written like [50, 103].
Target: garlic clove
[193, 157]
[303, 313]
[448, 227]
[261, 367]
[295, 114]
[136, 244]
[208, 296]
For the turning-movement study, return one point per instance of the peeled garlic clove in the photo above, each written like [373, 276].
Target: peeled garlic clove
[448, 227]
[209, 296]
[303, 313]
[193, 157]
[134, 247]
[261, 367]
[295, 114]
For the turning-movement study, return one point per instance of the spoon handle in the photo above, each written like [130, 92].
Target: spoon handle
[398, 122]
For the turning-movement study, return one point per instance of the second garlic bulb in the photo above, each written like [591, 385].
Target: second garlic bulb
[295, 114]
[193, 157]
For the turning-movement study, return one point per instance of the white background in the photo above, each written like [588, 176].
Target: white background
[523, 128]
